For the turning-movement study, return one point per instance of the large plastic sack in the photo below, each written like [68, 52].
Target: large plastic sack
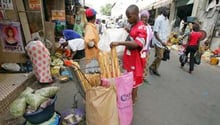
[17, 108]
[35, 100]
[47, 92]
[112, 35]
[27, 91]
[101, 106]
[124, 86]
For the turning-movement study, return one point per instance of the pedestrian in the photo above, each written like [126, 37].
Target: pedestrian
[40, 58]
[192, 45]
[103, 27]
[160, 38]
[146, 49]
[91, 35]
[78, 27]
[132, 60]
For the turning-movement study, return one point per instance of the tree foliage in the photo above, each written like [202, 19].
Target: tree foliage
[106, 9]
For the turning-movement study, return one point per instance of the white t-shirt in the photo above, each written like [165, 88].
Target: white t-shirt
[76, 44]
[161, 26]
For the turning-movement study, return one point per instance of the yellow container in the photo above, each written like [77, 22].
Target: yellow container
[214, 61]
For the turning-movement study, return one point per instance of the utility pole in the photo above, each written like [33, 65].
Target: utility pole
[84, 3]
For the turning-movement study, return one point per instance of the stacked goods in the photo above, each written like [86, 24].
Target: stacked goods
[94, 79]
[109, 68]
[114, 94]
[109, 64]
[214, 61]
[81, 76]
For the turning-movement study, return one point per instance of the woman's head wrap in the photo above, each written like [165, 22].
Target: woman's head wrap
[90, 12]
[145, 13]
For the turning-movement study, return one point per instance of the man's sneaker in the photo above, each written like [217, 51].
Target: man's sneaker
[181, 65]
[156, 73]
[190, 72]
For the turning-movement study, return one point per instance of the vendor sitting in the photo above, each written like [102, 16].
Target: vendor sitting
[76, 44]
[173, 39]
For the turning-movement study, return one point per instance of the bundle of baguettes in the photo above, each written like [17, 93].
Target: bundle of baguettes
[109, 65]
[84, 82]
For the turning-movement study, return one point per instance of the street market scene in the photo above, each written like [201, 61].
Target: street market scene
[109, 62]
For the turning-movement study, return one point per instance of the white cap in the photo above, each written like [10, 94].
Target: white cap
[62, 40]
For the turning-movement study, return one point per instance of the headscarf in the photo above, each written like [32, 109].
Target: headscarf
[70, 34]
[145, 13]
[90, 12]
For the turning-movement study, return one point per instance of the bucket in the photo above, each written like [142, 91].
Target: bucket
[214, 61]
[41, 115]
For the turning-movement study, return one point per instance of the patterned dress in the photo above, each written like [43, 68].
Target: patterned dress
[40, 58]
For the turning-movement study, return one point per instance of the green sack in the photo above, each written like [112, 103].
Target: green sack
[17, 108]
[35, 100]
[27, 91]
[47, 92]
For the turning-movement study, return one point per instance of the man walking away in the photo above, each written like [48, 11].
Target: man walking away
[161, 33]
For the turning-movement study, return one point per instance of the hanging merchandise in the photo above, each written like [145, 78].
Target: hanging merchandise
[58, 15]
[11, 37]
[2, 14]
[34, 4]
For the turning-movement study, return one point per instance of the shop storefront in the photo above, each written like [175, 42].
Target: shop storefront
[32, 18]
[12, 49]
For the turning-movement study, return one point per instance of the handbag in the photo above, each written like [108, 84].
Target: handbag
[166, 54]
[197, 58]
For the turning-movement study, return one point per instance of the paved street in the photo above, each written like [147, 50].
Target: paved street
[175, 98]
[178, 98]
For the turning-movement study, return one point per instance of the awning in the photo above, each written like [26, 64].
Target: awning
[158, 4]
[183, 2]
[162, 3]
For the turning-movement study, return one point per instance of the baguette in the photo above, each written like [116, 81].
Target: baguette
[115, 62]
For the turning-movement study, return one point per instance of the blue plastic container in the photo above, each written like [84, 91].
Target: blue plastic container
[41, 115]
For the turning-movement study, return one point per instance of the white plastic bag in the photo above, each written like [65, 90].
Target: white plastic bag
[11, 66]
[112, 35]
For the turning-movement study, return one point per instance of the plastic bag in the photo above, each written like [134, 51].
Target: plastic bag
[124, 86]
[27, 91]
[183, 58]
[17, 108]
[35, 100]
[197, 58]
[112, 35]
[47, 92]
[11, 67]
[101, 106]
[67, 72]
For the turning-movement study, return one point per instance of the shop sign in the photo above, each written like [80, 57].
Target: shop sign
[11, 39]
[58, 15]
[34, 4]
[6, 4]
